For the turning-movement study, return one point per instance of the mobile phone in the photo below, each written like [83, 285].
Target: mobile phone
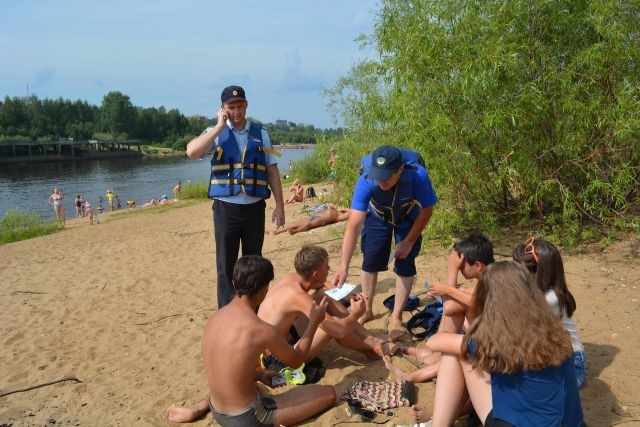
[224, 116]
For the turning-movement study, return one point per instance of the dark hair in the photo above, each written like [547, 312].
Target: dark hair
[308, 259]
[549, 271]
[250, 274]
[475, 247]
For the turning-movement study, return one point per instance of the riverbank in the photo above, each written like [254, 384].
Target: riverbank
[120, 306]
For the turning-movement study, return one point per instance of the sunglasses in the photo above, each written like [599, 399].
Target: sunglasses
[530, 249]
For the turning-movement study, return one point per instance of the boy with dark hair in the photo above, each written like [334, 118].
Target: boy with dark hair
[232, 343]
[470, 256]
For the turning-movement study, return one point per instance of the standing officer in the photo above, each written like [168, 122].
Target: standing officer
[244, 172]
[392, 197]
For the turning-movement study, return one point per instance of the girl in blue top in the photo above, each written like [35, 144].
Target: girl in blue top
[514, 363]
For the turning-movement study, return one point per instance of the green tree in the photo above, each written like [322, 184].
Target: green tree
[523, 109]
[117, 113]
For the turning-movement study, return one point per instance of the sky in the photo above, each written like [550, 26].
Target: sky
[182, 53]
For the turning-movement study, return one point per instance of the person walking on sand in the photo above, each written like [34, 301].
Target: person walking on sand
[244, 172]
[56, 199]
[393, 197]
[333, 165]
[233, 340]
[88, 210]
[177, 189]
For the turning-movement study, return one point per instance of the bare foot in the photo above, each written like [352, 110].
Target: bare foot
[365, 317]
[181, 414]
[395, 329]
[396, 372]
[420, 415]
[377, 345]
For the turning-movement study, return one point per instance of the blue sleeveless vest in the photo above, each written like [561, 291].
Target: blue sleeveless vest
[397, 204]
[232, 170]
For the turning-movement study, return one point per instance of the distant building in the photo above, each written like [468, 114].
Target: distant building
[281, 123]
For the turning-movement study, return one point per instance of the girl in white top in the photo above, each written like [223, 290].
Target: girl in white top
[544, 261]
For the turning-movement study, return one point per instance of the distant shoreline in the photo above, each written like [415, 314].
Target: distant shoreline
[295, 146]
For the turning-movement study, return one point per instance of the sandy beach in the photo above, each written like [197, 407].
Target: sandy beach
[117, 311]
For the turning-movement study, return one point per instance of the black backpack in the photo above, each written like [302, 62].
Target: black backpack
[310, 193]
[426, 322]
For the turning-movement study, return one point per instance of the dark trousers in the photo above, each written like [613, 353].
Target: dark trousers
[234, 224]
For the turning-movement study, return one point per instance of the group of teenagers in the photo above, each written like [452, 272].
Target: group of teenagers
[506, 352]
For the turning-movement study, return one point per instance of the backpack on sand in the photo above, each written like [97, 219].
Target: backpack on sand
[425, 323]
[310, 193]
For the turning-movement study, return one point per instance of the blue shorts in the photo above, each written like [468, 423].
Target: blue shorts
[375, 243]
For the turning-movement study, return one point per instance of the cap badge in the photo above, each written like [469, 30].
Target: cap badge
[380, 161]
[235, 93]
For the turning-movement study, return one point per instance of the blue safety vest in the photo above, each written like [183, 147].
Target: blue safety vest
[399, 203]
[233, 171]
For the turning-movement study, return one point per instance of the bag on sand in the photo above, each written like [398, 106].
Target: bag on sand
[380, 396]
[425, 323]
[310, 193]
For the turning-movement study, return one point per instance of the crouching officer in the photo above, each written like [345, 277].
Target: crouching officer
[393, 197]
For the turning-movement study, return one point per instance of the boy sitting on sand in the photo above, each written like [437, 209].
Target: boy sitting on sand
[288, 306]
[470, 256]
[232, 342]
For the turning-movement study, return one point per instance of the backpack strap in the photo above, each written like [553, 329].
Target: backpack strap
[428, 319]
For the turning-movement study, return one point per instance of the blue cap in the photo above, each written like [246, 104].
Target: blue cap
[232, 93]
[384, 162]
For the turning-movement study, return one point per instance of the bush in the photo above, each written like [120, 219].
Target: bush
[17, 225]
[197, 191]
[525, 111]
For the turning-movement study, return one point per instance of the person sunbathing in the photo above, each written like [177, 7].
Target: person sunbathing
[330, 215]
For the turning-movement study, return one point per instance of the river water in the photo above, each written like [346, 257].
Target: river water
[28, 186]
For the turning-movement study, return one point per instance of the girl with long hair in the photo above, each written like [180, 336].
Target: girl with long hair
[543, 260]
[514, 362]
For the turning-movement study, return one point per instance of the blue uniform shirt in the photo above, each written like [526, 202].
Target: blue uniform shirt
[422, 190]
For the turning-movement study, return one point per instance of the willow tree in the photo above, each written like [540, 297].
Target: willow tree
[525, 109]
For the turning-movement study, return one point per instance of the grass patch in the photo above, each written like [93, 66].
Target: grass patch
[196, 191]
[17, 225]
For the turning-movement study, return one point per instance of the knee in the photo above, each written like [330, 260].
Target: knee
[329, 394]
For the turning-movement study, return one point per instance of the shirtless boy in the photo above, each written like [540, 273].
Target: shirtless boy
[289, 303]
[233, 340]
[325, 217]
